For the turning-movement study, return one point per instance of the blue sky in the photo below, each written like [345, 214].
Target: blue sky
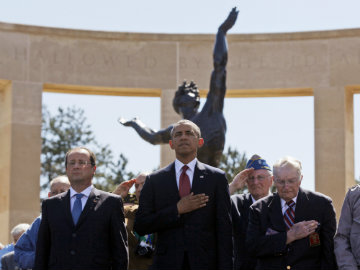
[253, 124]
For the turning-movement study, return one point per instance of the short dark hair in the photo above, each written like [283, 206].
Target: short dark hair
[186, 122]
[186, 89]
[92, 155]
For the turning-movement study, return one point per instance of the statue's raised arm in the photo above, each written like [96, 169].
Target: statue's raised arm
[187, 100]
[215, 99]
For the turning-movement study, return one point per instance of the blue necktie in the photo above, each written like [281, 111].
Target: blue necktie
[77, 208]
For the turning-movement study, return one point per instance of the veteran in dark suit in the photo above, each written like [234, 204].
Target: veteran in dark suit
[188, 205]
[293, 228]
[257, 176]
[83, 228]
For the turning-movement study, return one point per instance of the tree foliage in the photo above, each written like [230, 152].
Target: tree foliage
[68, 129]
[232, 162]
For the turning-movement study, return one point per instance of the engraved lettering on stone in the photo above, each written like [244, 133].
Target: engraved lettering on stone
[88, 59]
[150, 62]
[109, 60]
[56, 58]
[130, 61]
[20, 54]
[197, 62]
[182, 62]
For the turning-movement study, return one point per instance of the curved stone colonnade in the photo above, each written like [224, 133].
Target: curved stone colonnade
[324, 64]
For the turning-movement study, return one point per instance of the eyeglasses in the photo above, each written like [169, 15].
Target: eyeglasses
[259, 178]
[81, 163]
[288, 182]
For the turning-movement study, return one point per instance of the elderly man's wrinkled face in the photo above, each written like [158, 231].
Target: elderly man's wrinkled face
[259, 183]
[287, 181]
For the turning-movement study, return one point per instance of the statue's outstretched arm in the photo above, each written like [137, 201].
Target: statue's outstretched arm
[218, 77]
[152, 136]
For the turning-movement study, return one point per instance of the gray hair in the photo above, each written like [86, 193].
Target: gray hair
[195, 128]
[19, 229]
[288, 161]
[59, 179]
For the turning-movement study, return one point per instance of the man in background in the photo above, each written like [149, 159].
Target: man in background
[26, 246]
[7, 253]
[258, 178]
[347, 238]
[293, 228]
[140, 247]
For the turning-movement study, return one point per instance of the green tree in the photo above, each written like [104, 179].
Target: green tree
[232, 162]
[68, 129]
[117, 174]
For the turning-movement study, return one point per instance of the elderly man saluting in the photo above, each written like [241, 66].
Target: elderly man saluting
[258, 178]
[293, 228]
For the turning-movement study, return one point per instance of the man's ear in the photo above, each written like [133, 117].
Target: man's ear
[94, 169]
[171, 144]
[200, 142]
[49, 194]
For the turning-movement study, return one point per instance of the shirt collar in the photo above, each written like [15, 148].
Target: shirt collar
[179, 165]
[253, 199]
[283, 202]
[86, 191]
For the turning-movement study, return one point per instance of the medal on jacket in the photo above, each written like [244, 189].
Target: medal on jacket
[314, 239]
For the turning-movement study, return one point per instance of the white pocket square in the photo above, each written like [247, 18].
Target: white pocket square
[270, 231]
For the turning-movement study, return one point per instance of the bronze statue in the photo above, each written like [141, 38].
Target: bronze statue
[187, 100]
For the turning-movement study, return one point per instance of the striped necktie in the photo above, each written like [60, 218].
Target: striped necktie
[289, 215]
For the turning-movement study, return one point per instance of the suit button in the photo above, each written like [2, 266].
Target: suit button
[288, 267]
[72, 252]
[73, 235]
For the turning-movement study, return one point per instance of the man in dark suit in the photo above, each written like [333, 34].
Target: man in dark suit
[258, 178]
[188, 205]
[293, 228]
[84, 227]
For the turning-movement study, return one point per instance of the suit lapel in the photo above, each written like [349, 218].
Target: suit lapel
[65, 199]
[275, 214]
[198, 178]
[90, 205]
[169, 183]
[301, 208]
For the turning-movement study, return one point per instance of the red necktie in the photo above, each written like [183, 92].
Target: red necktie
[289, 215]
[184, 183]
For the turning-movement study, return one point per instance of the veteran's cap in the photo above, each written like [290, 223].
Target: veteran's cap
[257, 163]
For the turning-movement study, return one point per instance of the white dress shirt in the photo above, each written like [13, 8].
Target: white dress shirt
[85, 192]
[284, 206]
[190, 171]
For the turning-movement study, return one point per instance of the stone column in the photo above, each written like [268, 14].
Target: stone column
[20, 144]
[334, 143]
[168, 117]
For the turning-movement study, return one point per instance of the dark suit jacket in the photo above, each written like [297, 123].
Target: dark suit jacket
[240, 206]
[204, 234]
[266, 235]
[98, 241]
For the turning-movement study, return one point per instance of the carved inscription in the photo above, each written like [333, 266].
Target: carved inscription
[89, 59]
